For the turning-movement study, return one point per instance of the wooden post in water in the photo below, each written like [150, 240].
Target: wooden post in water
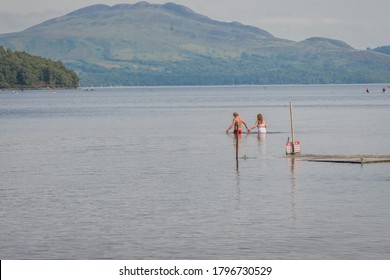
[292, 128]
[293, 147]
[236, 135]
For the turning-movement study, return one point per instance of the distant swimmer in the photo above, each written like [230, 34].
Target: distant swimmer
[367, 90]
[384, 90]
[260, 124]
[237, 124]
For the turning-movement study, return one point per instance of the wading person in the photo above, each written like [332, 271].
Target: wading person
[237, 124]
[260, 124]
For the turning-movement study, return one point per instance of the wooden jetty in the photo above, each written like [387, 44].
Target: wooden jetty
[339, 158]
[293, 150]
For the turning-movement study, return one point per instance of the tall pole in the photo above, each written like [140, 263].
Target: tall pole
[292, 128]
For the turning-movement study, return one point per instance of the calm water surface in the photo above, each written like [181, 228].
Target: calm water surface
[149, 173]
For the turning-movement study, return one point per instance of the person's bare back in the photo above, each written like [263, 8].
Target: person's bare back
[237, 124]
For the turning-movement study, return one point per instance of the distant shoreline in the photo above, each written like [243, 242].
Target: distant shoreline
[92, 88]
[37, 88]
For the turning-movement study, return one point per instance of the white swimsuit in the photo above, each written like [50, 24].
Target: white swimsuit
[261, 128]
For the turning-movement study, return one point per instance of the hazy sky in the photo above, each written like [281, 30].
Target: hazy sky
[359, 23]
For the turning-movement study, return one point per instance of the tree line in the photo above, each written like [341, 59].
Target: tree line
[247, 69]
[22, 70]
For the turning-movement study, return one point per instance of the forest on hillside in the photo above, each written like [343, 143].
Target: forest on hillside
[383, 49]
[247, 69]
[24, 71]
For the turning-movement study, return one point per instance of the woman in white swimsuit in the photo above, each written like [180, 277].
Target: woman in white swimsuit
[260, 124]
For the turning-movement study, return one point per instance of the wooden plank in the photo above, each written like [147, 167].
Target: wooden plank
[336, 161]
[340, 158]
[350, 161]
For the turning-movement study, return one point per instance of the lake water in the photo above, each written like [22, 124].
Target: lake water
[149, 173]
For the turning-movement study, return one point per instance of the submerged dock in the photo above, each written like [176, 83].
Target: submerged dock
[341, 158]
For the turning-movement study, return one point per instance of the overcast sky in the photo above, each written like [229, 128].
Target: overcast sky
[359, 23]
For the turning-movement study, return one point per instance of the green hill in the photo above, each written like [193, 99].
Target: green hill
[169, 44]
[383, 49]
[22, 70]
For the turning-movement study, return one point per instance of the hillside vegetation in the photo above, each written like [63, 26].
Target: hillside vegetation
[383, 49]
[149, 44]
[22, 70]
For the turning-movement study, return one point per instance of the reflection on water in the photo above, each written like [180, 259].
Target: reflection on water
[261, 137]
[237, 140]
[236, 143]
[292, 165]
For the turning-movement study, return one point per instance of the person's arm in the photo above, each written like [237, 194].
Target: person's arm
[254, 125]
[230, 127]
[245, 125]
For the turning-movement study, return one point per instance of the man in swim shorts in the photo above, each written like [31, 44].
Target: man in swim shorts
[237, 124]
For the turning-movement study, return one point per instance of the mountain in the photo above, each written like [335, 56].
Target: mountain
[169, 44]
